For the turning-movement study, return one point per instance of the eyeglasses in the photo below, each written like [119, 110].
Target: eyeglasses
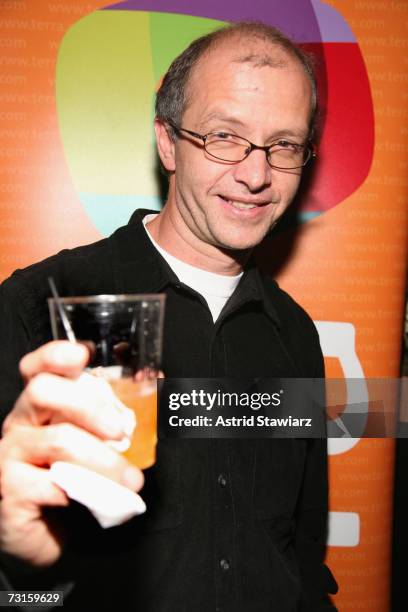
[282, 154]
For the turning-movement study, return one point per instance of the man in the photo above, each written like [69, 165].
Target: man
[232, 525]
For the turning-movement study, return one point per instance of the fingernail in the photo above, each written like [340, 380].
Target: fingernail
[132, 478]
[120, 446]
[128, 417]
[68, 353]
[112, 424]
[128, 422]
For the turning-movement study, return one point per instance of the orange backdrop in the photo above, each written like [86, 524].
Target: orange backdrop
[348, 268]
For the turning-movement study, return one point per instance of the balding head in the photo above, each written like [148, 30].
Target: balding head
[255, 43]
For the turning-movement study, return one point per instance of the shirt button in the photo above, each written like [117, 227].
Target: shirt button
[222, 480]
[225, 564]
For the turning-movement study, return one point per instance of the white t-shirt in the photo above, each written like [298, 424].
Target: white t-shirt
[215, 288]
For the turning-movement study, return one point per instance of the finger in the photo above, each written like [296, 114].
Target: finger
[24, 534]
[60, 357]
[148, 374]
[42, 446]
[27, 486]
[88, 402]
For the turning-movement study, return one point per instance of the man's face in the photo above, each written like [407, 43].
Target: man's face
[233, 206]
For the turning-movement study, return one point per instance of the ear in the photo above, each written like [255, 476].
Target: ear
[165, 146]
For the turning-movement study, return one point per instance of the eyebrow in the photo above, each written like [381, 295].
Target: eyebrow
[285, 133]
[302, 134]
[220, 117]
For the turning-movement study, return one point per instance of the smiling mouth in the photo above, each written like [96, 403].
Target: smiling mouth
[243, 205]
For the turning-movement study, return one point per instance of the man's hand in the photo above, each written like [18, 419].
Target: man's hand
[62, 414]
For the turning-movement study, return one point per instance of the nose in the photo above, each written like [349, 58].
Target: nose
[254, 172]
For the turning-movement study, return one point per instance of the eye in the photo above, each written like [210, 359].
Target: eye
[287, 144]
[222, 135]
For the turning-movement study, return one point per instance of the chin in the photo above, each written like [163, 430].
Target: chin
[241, 243]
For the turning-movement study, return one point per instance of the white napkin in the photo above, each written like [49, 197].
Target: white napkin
[110, 503]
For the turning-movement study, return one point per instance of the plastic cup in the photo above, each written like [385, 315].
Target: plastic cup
[124, 335]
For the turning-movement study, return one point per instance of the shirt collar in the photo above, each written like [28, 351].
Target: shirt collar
[133, 251]
[254, 287]
[138, 267]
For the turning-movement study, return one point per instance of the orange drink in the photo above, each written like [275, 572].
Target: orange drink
[141, 398]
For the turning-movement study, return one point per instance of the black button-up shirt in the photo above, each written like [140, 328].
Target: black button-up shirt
[232, 525]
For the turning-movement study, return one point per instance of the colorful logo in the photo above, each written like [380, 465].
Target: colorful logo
[110, 63]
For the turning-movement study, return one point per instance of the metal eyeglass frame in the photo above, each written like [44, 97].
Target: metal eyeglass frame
[310, 149]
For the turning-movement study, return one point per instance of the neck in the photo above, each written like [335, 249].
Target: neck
[171, 233]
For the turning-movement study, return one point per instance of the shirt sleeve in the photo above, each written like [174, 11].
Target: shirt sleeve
[14, 343]
[311, 531]
[311, 522]
[16, 576]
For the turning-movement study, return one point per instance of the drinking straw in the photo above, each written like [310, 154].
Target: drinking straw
[65, 321]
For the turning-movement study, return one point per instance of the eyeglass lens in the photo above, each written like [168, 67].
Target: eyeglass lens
[234, 149]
